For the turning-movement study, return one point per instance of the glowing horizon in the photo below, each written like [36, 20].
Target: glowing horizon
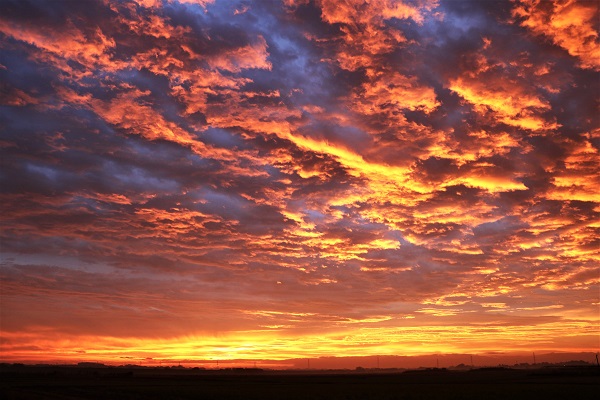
[207, 179]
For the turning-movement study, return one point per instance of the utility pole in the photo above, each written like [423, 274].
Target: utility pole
[377, 362]
[534, 358]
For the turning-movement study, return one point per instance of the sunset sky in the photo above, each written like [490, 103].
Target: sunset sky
[216, 179]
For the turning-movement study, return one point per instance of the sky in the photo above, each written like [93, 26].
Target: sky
[219, 180]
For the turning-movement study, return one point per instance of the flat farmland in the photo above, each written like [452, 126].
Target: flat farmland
[71, 383]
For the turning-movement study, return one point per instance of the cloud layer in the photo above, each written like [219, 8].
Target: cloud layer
[237, 179]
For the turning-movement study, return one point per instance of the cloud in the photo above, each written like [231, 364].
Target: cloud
[304, 173]
[568, 24]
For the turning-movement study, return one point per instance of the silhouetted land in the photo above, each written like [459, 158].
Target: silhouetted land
[130, 382]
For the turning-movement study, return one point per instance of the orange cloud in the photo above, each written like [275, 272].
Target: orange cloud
[570, 24]
[70, 43]
[509, 102]
[388, 92]
[580, 178]
[365, 28]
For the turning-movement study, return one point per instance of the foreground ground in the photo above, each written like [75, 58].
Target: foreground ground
[70, 383]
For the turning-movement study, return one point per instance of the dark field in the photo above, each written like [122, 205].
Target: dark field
[70, 383]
